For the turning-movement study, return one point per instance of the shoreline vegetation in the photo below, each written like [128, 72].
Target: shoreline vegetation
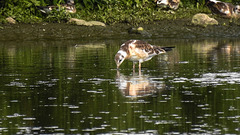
[126, 19]
[110, 12]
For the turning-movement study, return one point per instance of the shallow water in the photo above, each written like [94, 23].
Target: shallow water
[73, 87]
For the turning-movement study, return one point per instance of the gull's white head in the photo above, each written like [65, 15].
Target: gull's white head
[237, 9]
[162, 2]
[120, 57]
[71, 2]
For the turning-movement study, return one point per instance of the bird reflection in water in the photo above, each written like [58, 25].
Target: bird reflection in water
[138, 85]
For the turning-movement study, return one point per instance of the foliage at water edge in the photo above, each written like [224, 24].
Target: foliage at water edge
[107, 11]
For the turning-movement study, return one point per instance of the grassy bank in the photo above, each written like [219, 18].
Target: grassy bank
[107, 11]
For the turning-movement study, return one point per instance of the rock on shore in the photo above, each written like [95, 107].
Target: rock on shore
[203, 20]
[86, 23]
[11, 20]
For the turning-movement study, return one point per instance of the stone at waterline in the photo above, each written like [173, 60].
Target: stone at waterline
[86, 23]
[11, 20]
[140, 31]
[203, 20]
[97, 23]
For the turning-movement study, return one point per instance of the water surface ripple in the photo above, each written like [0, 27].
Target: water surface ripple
[73, 87]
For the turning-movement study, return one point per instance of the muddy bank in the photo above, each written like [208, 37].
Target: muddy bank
[160, 29]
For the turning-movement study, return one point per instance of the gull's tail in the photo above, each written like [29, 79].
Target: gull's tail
[167, 48]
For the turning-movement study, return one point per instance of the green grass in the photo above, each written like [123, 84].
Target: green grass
[110, 12]
[132, 16]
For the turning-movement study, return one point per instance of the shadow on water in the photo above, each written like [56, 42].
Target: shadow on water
[73, 87]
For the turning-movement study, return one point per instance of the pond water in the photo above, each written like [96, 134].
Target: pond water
[73, 87]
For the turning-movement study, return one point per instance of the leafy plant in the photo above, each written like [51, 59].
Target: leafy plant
[108, 11]
[21, 10]
[58, 15]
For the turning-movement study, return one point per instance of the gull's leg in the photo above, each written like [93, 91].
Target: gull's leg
[139, 68]
[133, 67]
[118, 74]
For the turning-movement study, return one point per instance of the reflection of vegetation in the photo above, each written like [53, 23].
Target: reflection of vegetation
[108, 11]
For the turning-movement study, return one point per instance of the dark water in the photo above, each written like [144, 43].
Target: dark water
[72, 87]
